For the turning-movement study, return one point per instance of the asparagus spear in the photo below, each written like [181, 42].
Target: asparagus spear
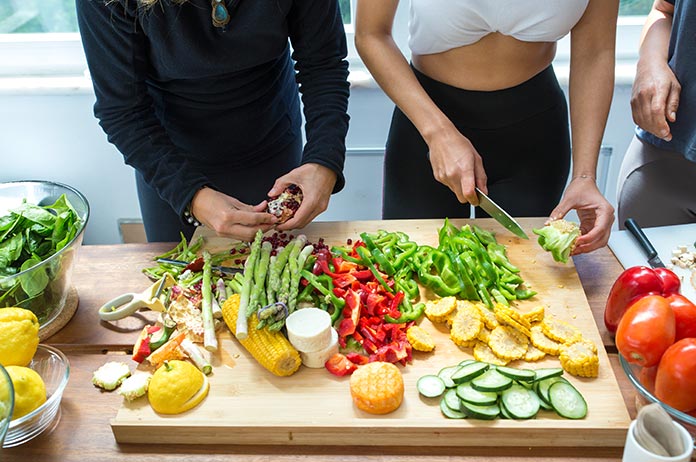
[209, 338]
[296, 275]
[242, 328]
[258, 293]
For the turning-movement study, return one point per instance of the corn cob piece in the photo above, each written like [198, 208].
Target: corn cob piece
[533, 354]
[560, 331]
[482, 352]
[488, 316]
[535, 314]
[466, 325]
[542, 342]
[580, 359]
[270, 348]
[484, 335]
[507, 343]
[513, 314]
[504, 319]
[438, 310]
[420, 339]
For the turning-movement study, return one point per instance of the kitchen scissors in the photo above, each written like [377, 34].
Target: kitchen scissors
[129, 303]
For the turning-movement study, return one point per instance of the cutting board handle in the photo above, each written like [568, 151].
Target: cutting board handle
[640, 236]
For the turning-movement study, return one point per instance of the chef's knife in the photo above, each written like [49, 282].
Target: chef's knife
[653, 259]
[500, 215]
[222, 269]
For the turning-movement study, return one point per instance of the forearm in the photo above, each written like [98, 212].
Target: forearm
[591, 89]
[654, 43]
[393, 73]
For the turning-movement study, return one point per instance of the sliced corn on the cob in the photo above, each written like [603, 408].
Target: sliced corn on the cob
[542, 342]
[507, 343]
[438, 310]
[466, 325]
[420, 339]
[560, 331]
[483, 352]
[580, 359]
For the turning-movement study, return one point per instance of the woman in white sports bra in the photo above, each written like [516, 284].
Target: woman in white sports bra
[480, 106]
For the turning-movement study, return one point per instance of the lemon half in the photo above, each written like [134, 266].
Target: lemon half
[29, 390]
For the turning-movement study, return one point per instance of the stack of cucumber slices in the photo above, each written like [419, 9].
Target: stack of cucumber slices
[479, 390]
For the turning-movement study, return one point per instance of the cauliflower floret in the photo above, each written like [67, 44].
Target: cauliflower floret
[558, 237]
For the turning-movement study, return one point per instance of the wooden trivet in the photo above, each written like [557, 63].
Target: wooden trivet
[71, 302]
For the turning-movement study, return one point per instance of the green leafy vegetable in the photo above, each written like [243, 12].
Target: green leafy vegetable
[29, 235]
[558, 237]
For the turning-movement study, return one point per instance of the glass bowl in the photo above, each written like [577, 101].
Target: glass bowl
[643, 383]
[53, 367]
[44, 287]
[6, 402]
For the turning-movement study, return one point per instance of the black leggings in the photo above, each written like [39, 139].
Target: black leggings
[521, 133]
[249, 184]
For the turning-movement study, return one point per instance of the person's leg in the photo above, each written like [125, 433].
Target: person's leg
[656, 187]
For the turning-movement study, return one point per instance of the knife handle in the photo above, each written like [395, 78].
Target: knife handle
[640, 236]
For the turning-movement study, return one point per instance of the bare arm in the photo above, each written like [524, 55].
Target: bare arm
[655, 96]
[455, 161]
[591, 88]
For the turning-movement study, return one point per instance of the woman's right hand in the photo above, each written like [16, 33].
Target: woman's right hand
[457, 164]
[229, 217]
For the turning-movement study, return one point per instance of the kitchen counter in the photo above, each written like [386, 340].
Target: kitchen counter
[84, 432]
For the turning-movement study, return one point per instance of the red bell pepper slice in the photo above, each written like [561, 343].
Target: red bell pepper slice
[351, 313]
[633, 284]
[357, 358]
[339, 365]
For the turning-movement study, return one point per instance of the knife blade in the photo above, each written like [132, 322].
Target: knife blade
[222, 269]
[653, 259]
[500, 215]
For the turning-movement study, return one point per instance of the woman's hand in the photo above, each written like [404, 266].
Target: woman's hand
[229, 217]
[457, 165]
[595, 213]
[655, 98]
[316, 182]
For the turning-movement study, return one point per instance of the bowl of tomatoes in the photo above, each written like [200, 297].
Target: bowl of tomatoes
[643, 380]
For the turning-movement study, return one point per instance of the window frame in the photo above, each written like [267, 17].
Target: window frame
[61, 54]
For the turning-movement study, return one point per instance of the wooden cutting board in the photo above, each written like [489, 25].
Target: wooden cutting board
[248, 405]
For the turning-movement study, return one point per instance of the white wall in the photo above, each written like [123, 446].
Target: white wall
[53, 135]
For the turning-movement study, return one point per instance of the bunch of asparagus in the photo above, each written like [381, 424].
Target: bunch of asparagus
[270, 283]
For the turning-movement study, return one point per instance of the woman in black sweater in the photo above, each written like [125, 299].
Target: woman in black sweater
[201, 98]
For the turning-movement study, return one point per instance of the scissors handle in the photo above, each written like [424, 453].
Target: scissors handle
[120, 307]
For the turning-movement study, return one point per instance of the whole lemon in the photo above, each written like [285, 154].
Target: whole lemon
[176, 387]
[19, 336]
[29, 390]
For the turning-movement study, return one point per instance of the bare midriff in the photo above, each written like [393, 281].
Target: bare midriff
[495, 62]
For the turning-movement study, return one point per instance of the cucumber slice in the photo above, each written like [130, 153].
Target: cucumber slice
[452, 399]
[469, 371]
[542, 387]
[504, 414]
[430, 386]
[466, 392]
[467, 361]
[446, 375]
[567, 400]
[449, 412]
[520, 402]
[491, 380]
[480, 412]
[522, 375]
[543, 404]
[545, 373]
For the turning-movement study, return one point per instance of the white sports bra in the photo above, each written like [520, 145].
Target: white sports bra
[440, 25]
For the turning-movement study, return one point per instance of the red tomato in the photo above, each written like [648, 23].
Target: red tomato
[339, 365]
[646, 376]
[675, 383]
[684, 315]
[646, 330]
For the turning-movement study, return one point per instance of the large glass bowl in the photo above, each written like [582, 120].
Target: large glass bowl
[53, 367]
[643, 384]
[6, 402]
[55, 272]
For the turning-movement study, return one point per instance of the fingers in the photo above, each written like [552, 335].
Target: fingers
[673, 102]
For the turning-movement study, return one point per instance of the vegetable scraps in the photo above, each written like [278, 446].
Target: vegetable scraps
[30, 234]
[558, 237]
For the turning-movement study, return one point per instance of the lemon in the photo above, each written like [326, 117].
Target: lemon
[176, 387]
[29, 389]
[19, 336]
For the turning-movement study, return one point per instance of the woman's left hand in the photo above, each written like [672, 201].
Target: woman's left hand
[595, 213]
[316, 182]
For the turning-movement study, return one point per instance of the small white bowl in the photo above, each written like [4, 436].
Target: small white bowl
[53, 367]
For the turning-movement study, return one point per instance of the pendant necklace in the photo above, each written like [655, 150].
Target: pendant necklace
[219, 13]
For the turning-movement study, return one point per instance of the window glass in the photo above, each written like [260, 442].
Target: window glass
[36, 16]
[634, 7]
